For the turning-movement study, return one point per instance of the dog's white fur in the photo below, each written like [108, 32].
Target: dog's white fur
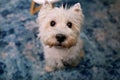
[70, 50]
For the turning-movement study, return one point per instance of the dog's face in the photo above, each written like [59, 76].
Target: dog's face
[60, 27]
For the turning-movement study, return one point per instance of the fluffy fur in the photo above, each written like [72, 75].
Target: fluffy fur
[69, 52]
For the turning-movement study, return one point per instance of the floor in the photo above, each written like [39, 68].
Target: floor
[21, 54]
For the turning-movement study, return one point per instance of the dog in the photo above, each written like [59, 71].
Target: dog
[59, 33]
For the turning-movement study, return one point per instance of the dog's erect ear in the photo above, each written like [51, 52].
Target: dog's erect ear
[76, 7]
[47, 6]
[44, 11]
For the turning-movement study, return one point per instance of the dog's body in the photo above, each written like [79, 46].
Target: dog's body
[59, 33]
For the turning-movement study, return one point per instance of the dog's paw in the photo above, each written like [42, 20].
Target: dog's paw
[48, 69]
[74, 64]
[82, 54]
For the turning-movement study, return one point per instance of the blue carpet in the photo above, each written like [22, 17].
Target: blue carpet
[21, 54]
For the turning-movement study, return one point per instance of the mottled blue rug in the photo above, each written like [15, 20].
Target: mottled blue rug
[21, 54]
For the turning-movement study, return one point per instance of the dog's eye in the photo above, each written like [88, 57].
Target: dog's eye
[69, 24]
[52, 23]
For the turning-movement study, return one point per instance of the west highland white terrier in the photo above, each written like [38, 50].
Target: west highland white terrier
[59, 32]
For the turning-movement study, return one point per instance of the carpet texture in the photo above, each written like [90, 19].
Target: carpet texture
[21, 54]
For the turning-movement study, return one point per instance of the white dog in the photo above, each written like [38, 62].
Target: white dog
[59, 31]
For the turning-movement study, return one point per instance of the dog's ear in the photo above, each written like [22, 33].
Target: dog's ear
[76, 7]
[44, 11]
[77, 13]
[47, 6]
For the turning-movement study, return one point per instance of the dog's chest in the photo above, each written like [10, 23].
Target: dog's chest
[61, 53]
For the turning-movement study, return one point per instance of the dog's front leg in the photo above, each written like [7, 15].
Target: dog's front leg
[53, 64]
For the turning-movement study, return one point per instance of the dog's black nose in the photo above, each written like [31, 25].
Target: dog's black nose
[60, 37]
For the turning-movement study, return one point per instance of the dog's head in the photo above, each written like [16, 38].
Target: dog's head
[60, 26]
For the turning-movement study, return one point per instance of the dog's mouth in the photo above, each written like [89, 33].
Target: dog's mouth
[65, 44]
[58, 45]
